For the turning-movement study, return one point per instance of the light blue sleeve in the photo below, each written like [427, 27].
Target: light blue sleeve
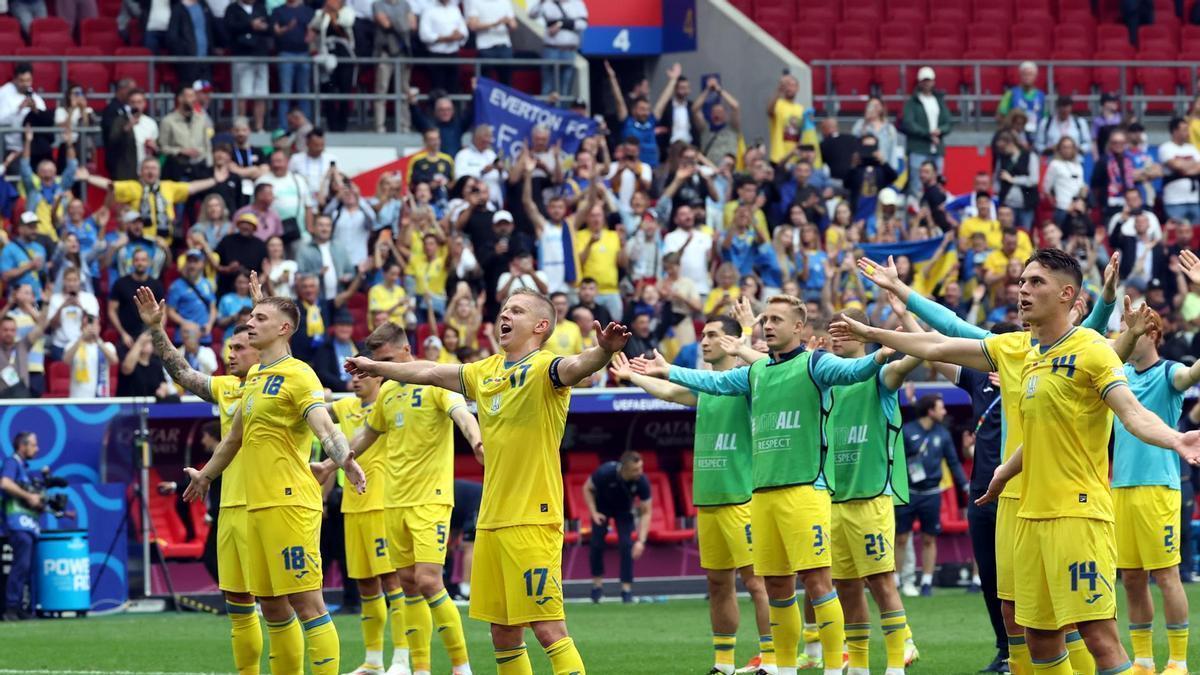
[829, 371]
[27, 176]
[8, 260]
[1101, 312]
[734, 382]
[942, 319]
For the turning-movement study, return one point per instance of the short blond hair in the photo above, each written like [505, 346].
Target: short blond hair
[548, 312]
[796, 304]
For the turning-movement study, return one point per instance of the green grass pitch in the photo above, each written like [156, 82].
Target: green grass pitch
[951, 630]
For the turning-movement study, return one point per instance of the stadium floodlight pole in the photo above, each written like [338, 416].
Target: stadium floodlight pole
[143, 447]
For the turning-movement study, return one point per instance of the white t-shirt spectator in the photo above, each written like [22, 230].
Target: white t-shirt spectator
[204, 360]
[12, 114]
[160, 15]
[471, 161]
[693, 261]
[1179, 191]
[440, 20]
[551, 11]
[145, 129]
[487, 12]
[292, 197]
[311, 169]
[89, 376]
[70, 321]
[1129, 225]
[352, 229]
[1063, 181]
[628, 185]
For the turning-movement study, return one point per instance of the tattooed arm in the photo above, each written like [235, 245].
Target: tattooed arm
[153, 313]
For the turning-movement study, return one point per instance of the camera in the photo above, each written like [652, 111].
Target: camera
[40, 483]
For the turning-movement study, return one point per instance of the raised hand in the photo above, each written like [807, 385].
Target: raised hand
[152, 312]
[611, 338]
[256, 289]
[816, 342]
[656, 367]
[848, 329]
[620, 367]
[1137, 321]
[674, 71]
[884, 276]
[1112, 274]
[1191, 265]
[898, 308]
[731, 344]
[743, 313]
[197, 487]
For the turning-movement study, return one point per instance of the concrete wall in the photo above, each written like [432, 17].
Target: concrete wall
[750, 63]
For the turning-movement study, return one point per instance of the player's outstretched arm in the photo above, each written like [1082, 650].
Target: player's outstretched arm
[413, 372]
[363, 441]
[336, 446]
[734, 382]
[1149, 428]
[609, 340]
[1137, 321]
[1004, 473]
[894, 373]
[927, 346]
[886, 277]
[831, 370]
[659, 389]
[223, 454]
[469, 426]
[154, 315]
[1186, 378]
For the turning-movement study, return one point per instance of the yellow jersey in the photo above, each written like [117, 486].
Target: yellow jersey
[351, 413]
[990, 229]
[1066, 426]
[381, 298]
[276, 441]
[130, 193]
[419, 435]
[601, 263]
[522, 414]
[428, 275]
[1006, 354]
[566, 340]
[226, 393]
[790, 125]
[716, 295]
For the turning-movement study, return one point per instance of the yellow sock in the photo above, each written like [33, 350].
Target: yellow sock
[1177, 641]
[449, 624]
[858, 639]
[324, 648]
[1081, 659]
[832, 624]
[723, 646]
[247, 637]
[287, 646]
[419, 628]
[513, 661]
[1018, 655]
[785, 630]
[374, 619]
[766, 649]
[1060, 665]
[1142, 637]
[396, 616]
[564, 658]
[895, 632]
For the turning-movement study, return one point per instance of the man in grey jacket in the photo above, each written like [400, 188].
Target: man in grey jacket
[325, 259]
[926, 123]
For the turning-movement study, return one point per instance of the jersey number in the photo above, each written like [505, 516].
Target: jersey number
[540, 573]
[515, 381]
[293, 557]
[272, 385]
[818, 537]
[380, 547]
[748, 539]
[416, 395]
[1169, 537]
[1084, 570]
[876, 545]
[441, 534]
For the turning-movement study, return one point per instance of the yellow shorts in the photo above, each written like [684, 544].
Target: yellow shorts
[367, 545]
[1147, 527]
[516, 575]
[791, 530]
[725, 539]
[417, 534]
[284, 550]
[1065, 568]
[863, 531]
[232, 571]
[1006, 534]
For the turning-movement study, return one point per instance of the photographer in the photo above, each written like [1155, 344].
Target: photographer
[22, 504]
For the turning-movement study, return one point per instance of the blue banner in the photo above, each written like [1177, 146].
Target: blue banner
[916, 251]
[513, 116]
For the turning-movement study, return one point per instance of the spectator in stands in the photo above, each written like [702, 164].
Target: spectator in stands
[353, 221]
[199, 356]
[566, 340]
[429, 161]
[132, 136]
[1064, 182]
[479, 159]
[142, 371]
[869, 174]
[326, 259]
[18, 98]
[564, 23]
[189, 33]
[395, 22]
[1147, 169]
[629, 175]
[191, 301]
[314, 164]
[1181, 159]
[67, 310]
[932, 197]
[521, 273]
[1015, 245]
[67, 255]
[243, 152]
[388, 297]
[25, 11]
[184, 137]
[875, 122]
[1064, 124]
[490, 22]
[1109, 120]
[316, 313]
[122, 310]
[240, 251]
[600, 256]
[1135, 14]
[443, 30]
[23, 258]
[232, 303]
[279, 272]
[121, 245]
[73, 113]
[1142, 257]
[117, 108]
[263, 209]
[329, 356]
[644, 251]
[718, 134]
[154, 200]
[674, 108]
[233, 190]
[16, 357]
[250, 35]
[153, 16]
[1017, 171]
[28, 311]
[333, 30]
[694, 246]
[450, 124]
[790, 122]
[548, 169]
[688, 184]
[45, 190]
[589, 290]
[837, 149]
[637, 121]
[89, 358]
[611, 493]
[1027, 97]
[926, 122]
[554, 232]
[927, 443]
[289, 23]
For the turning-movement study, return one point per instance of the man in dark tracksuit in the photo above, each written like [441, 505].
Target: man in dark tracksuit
[610, 492]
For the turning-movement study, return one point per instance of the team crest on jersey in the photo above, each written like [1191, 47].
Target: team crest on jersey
[249, 405]
[399, 421]
[231, 409]
[494, 406]
[1031, 387]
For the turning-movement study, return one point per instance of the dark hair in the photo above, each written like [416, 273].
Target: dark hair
[743, 179]
[386, 334]
[262, 186]
[21, 438]
[728, 324]
[1175, 123]
[982, 195]
[857, 314]
[316, 131]
[289, 310]
[631, 140]
[227, 149]
[557, 294]
[926, 403]
[1056, 260]
[1009, 230]
[180, 90]
[630, 457]
[640, 99]
[587, 280]
[21, 68]
[212, 429]
[240, 328]
[1002, 327]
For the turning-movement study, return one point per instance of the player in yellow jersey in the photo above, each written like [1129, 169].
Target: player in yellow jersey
[416, 425]
[282, 403]
[522, 393]
[1065, 544]
[223, 391]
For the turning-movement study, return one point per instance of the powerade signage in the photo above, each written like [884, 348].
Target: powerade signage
[64, 572]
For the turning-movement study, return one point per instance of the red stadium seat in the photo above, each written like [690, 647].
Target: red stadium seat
[40, 28]
[811, 45]
[813, 18]
[58, 380]
[1156, 81]
[991, 81]
[1073, 81]
[467, 467]
[915, 13]
[888, 77]
[1038, 14]
[852, 81]
[953, 520]
[855, 35]
[1113, 38]
[1039, 31]
[981, 39]
[941, 35]
[1068, 36]
[1158, 37]
[138, 71]
[907, 43]
[687, 503]
[1108, 78]
[951, 11]
[57, 43]
[10, 32]
[663, 524]
[94, 78]
[997, 15]
[100, 32]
